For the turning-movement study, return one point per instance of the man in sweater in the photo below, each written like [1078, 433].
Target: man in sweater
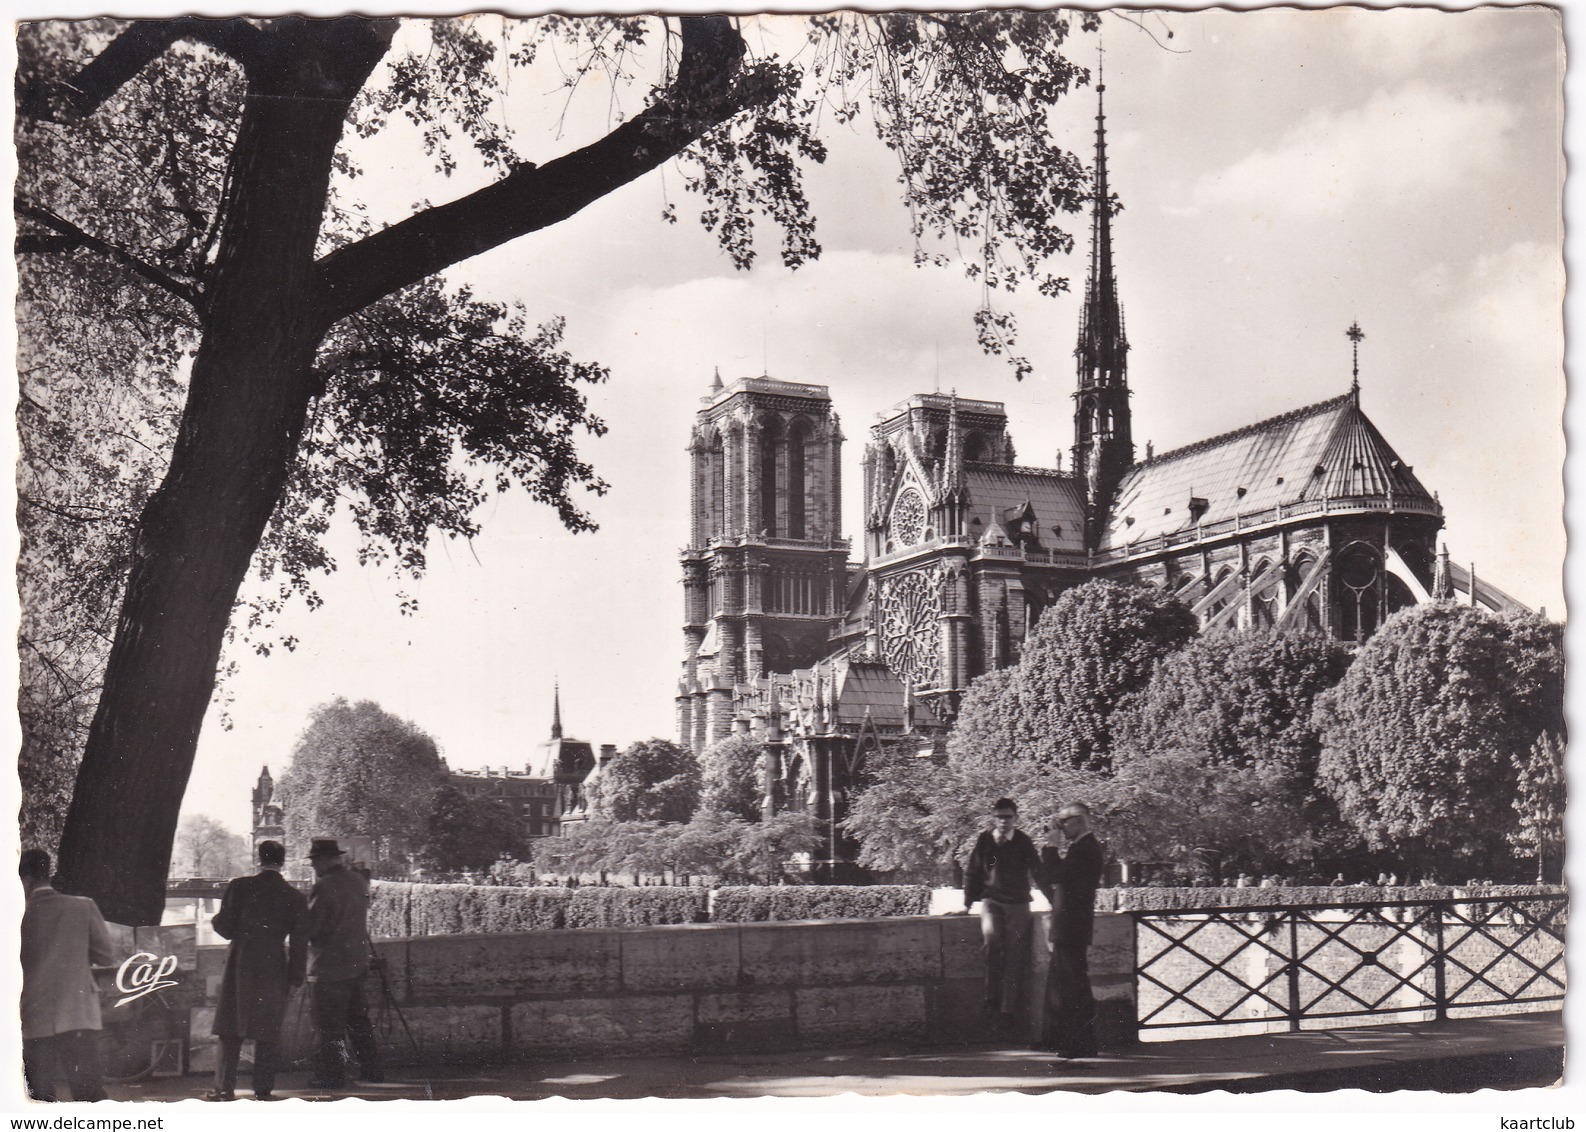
[1001, 869]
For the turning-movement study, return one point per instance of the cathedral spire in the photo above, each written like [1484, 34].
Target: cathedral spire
[1355, 335]
[1103, 446]
[556, 711]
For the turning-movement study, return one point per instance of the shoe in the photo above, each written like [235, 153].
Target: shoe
[267, 1097]
[220, 1095]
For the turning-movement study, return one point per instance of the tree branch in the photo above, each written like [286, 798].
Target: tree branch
[134, 49]
[69, 237]
[710, 88]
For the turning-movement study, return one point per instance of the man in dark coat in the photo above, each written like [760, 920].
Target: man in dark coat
[1068, 1027]
[1001, 869]
[338, 940]
[259, 914]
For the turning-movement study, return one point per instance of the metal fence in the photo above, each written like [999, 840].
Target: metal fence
[1393, 960]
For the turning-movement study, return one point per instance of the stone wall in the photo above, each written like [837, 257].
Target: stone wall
[699, 988]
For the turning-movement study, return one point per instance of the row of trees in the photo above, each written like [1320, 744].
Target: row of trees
[358, 769]
[1439, 743]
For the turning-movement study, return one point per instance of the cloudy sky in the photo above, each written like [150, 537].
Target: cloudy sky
[1283, 173]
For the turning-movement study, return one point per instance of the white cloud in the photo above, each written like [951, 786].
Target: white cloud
[1411, 140]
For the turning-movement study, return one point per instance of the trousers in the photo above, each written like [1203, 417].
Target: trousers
[74, 1053]
[266, 1056]
[340, 1012]
[1005, 943]
[1068, 1023]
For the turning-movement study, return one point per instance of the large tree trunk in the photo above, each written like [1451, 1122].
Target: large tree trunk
[267, 306]
[250, 389]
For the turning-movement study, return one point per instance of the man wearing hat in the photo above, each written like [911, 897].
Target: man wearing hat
[338, 960]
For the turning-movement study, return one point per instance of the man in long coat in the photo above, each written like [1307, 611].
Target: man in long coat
[259, 914]
[338, 937]
[63, 937]
[1068, 1026]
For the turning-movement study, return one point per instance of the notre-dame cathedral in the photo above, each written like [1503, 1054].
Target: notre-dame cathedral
[1306, 521]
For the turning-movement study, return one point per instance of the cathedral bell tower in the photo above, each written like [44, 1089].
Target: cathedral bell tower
[1103, 447]
[765, 569]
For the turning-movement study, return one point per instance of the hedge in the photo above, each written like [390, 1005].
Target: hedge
[398, 909]
[750, 904]
[623, 907]
[1151, 899]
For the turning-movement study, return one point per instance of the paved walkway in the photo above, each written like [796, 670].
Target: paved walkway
[1510, 1052]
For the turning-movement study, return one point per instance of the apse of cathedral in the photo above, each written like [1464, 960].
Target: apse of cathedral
[1308, 521]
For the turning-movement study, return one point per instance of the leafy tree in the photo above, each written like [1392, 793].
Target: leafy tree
[1423, 737]
[470, 832]
[1088, 651]
[731, 772]
[763, 848]
[1229, 716]
[916, 813]
[1173, 804]
[654, 780]
[206, 848]
[359, 770]
[1244, 699]
[1539, 803]
[209, 168]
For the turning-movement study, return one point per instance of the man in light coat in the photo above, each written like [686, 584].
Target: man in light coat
[63, 937]
[338, 960]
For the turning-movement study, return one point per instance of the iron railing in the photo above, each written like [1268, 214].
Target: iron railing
[1312, 962]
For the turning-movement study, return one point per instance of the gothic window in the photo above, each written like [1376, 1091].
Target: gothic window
[716, 487]
[1265, 601]
[911, 611]
[938, 447]
[770, 438]
[974, 448]
[1356, 574]
[797, 445]
[908, 517]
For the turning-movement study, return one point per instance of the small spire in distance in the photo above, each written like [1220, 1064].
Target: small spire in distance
[556, 711]
[715, 382]
[1355, 335]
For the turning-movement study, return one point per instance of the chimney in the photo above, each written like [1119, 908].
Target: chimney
[608, 751]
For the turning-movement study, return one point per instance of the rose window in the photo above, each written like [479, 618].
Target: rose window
[911, 610]
[908, 518]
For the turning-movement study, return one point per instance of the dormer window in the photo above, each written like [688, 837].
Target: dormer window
[1198, 506]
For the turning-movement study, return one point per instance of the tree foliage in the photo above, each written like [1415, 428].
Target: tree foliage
[467, 831]
[206, 848]
[653, 780]
[1423, 738]
[1217, 754]
[917, 813]
[359, 770]
[1181, 806]
[731, 771]
[204, 176]
[1539, 802]
[1093, 647]
[1243, 698]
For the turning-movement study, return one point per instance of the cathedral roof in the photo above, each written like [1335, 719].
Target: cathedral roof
[1326, 451]
[998, 490]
